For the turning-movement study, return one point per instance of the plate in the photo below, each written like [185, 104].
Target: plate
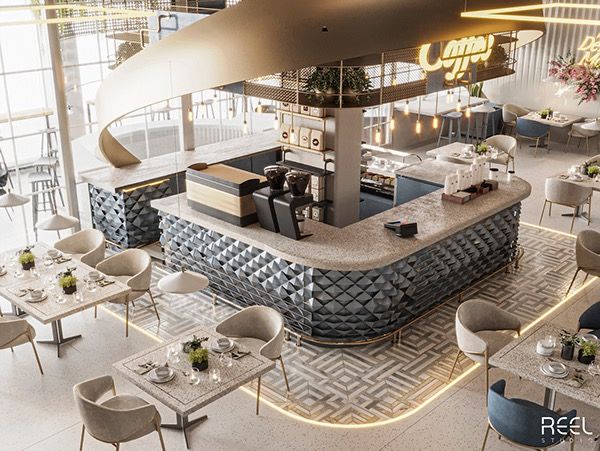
[35, 301]
[95, 277]
[3, 271]
[215, 347]
[154, 378]
[546, 369]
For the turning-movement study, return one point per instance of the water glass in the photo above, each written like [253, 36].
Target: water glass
[173, 354]
[34, 272]
[19, 273]
[194, 376]
[90, 285]
[214, 374]
[60, 298]
[550, 341]
[78, 297]
[226, 360]
[594, 368]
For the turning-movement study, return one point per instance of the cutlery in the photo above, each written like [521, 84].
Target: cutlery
[239, 355]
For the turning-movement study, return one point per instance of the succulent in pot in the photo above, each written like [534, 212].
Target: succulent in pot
[199, 358]
[587, 351]
[297, 182]
[546, 113]
[193, 344]
[568, 342]
[276, 177]
[26, 259]
[67, 281]
[593, 171]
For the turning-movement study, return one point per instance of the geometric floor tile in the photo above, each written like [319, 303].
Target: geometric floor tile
[374, 383]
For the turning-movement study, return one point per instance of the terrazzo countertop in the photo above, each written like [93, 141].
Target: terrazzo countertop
[114, 179]
[431, 171]
[364, 245]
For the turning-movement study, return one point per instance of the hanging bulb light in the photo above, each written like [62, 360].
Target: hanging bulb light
[448, 97]
[468, 112]
[378, 136]
[436, 123]
[245, 128]
[394, 81]
[418, 127]
[276, 122]
[292, 135]
[393, 124]
[458, 105]
[259, 109]
[406, 108]
[230, 113]
[190, 115]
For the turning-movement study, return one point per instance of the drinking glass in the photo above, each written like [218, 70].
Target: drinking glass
[34, 272]
[48, 262]
[78, 297]
[173, 354]
[19, 273]
[60, 297]
[90, 285]
[214, 374]
[550, 341]
[594, 368]
[194, 376]
[226, 360]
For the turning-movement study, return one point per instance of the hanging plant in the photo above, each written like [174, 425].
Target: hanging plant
[584, 80]
[325, 81]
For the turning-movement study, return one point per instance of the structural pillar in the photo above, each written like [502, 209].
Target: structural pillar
[186, 131]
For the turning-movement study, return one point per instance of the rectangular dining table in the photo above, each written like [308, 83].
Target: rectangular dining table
[177, 394]
[48, 311]
[569, 119]
[521, 359]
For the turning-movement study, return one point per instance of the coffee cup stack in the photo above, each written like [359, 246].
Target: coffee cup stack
[451, 184]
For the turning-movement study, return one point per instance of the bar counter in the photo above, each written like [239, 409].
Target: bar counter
[357, 283]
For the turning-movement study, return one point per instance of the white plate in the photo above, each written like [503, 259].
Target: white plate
[546, 370]
[35, 301]
[154, 378]
[215, 347]
[98, 278]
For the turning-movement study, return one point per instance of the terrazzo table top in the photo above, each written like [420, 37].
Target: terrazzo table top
[49, 310]
[432, 171]
[114, 179]
[364, 245]
[178, 394]
[520, 358]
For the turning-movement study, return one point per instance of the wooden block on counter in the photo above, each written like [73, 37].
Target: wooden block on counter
[458, 198]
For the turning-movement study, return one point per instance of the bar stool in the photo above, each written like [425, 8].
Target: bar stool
[206, 104]
[454, 116]
[483, 112]
[49, 165]
[49, 144]
[41, 184]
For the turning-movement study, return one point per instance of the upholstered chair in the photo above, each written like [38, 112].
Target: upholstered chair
[567, 194]
[15, 332]
[534, 131]
[259, 329]
[87, 246]
[133, 267]
[119, 419]
[518, 421]
[481, 332]
[580, 133]
[510, 114]
[590, 319]
[595, 160]
[507, 146]
[587, 255]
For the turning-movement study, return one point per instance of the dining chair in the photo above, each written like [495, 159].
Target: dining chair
[15, 332]
[507, 146]
[259, 329]
[587, 255]
[567, 194]
[119, 419]
[86, 246]
[590, 320]
[580, 133]
[533, 130]
[133, 267]
[481, 332]
[519, 421]
[595, 160]
[510, 114]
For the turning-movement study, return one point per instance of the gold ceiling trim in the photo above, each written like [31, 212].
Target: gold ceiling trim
[512, 13]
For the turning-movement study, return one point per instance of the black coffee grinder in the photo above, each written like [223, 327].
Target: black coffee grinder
[288, 204]
[263, 198]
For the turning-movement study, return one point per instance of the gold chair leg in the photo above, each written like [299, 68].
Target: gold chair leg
[487, 376]
[573, 219]
[154, 305]
[543, 211]
[573, 281]
[82, 436]
[454, 365]
[126, 319]
[487, 432]
[162, 442]
[284, 373]
[37, 357]
[258, 396]
[590, 212]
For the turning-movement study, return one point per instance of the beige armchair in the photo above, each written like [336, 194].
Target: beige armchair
[133, 267]
[580, 133]
[117, 420]
[507, 146]
[480, 327]
[261, 330]
[15, 332]
[510, 113]
[567, 194]
[595, 160]
[87, 246]
[587, 255]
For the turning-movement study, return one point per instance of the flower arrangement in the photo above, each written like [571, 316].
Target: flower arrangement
[583, 79]
[193, 344]
[26, 259]
[588, 350]
[546, 113]
[67, 281]
[199, 358]
[482, 149]
[593, 171]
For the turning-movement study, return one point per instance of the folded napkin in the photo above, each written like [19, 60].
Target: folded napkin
[19, 292]
[143, 369]
[105, 282]
[62, 259]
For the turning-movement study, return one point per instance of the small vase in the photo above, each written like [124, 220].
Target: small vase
[70, 290]
[28, 266]
[585, 359]
[201, 366]
[567, 352]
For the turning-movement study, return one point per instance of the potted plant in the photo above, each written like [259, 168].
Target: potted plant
[67, 281]
[482, 149]
[568, 342]
[587, 351]
[193, 344]
[27, 259]
[546, 113]
[325, 82]
[199, 358]
[593, 171]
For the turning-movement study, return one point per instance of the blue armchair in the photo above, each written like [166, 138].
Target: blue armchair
[590, 319]
[533, 130]
[520, 421]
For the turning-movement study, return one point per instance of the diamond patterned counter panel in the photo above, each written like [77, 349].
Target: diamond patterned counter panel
[344, 305]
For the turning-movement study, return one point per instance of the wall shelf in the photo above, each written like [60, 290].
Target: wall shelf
[305, 149]
[304, 116]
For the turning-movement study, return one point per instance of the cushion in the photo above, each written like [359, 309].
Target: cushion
[252, 344]
[495, 341]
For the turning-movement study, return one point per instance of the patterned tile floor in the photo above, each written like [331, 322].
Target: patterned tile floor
[378, 382]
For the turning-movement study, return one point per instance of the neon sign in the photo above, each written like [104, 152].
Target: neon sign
[457, 55]
[591, 51]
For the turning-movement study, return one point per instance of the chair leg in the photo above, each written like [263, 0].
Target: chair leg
[454, 365]
[573, 220]
[543, 210]
[284, 373]
[258, 396]
[37, 357]
[573, 281]
[568, 140]
[126, 319]
[82, 436]
[485, 437]
[95, 311]
[487, 376]
[154, 305]
[590, 211]
[162, 442]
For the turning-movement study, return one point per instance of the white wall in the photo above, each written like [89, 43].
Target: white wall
[528, 86]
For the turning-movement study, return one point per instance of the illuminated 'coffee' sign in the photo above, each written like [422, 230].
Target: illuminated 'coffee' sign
[457, 55]
[590, 47]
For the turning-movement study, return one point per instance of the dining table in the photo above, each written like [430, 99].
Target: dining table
[561, 121]
[588, 182]
[521, 359]
[16, 286]
[178, 394]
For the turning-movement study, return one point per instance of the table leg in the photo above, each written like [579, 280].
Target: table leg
[17, 311]
[182, 424]
[57, 337]
[578, 213]
[549, 398]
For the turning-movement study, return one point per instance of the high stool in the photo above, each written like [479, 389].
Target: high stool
[42, 184]
[483, 112]
[49, 165]
[454, 116]
[49, 144]
[206, 104]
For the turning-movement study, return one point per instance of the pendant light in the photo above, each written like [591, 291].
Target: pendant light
[292, 130]
[458, 105]
[190, 115]
[378, 135]
[245, 124]
[276, 122]
[57, 222]
[468, 110]
[392, 124]
[406, 108]
[418, 126]
[436, 121]
[10, 200]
